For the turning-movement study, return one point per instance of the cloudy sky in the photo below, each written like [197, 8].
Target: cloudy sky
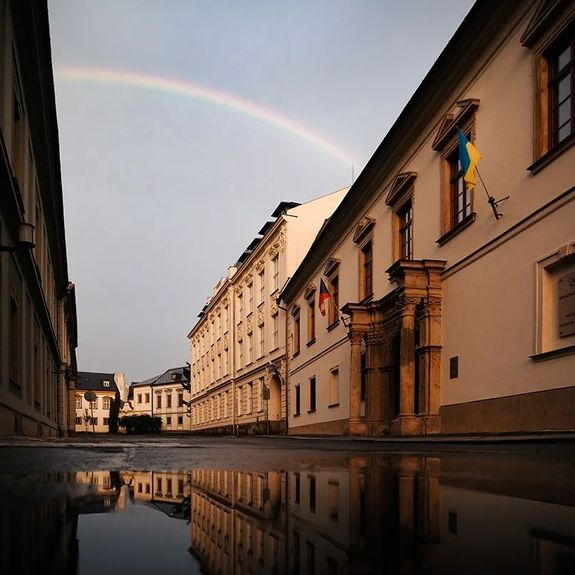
[183, 123]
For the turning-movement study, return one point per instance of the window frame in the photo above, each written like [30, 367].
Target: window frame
[365, 285]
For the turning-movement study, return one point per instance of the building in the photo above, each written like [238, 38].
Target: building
[457, 308]
[238, 345]
[166, 396]
[101, 414]
[38, 329]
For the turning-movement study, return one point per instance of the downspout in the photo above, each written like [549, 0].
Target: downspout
[286, 347]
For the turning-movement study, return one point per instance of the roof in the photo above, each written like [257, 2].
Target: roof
[93, 381]
[163, 379]
[284, 207]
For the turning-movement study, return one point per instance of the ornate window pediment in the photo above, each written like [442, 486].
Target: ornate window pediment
[450, 122]
[545, 13]
[331, 266]
[309, 291]
[363, 227]
[400, 185]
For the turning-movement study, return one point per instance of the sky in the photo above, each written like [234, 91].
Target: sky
[183, 124]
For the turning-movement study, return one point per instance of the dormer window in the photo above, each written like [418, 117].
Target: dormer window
[105, 383]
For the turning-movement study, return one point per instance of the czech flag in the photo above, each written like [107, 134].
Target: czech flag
[324, 295]
[468, 157]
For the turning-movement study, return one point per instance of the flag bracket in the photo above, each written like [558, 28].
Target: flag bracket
[495, 205]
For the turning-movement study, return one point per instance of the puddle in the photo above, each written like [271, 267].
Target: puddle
[370, 514]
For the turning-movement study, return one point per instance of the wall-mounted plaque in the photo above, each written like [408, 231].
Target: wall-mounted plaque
[566, 307]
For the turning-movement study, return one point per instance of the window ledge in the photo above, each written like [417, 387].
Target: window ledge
[553, 354]
[297, 414]
[296, 353]
[310, 342]
[334, 404]
[464, 223]
[333, 325]
[549, 156]
[367, 298]
[311, 410]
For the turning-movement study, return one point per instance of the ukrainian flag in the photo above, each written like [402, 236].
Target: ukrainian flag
[468, 157]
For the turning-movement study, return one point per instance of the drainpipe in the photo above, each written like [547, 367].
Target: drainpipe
[286, 347]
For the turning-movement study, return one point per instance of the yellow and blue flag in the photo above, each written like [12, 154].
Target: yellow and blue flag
[468, 157]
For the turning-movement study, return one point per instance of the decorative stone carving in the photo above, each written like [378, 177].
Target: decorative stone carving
[282, 241]
[407, 304]
[238, 290]
[433, 304]
[219, 347]
[226, 342]
[249, 327]
[261, 316]
[273, 307]
[260, 265]
[274, 250]
[248, 278]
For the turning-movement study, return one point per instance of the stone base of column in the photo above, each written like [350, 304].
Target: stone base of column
[406, 425]
[356, 428]
[378, 428]
[431, 424]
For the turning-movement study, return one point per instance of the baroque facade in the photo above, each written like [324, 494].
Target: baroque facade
[99, 415]
[38, 327]
[451, 310]
[238, 345]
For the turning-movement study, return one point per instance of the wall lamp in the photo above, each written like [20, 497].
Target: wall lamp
[25, 239]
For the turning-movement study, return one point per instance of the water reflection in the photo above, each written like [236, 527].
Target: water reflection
[394, 514]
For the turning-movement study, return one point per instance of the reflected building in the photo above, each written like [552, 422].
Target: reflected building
[239, 521]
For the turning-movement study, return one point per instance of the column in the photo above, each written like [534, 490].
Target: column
[407, 421]
[356, 426]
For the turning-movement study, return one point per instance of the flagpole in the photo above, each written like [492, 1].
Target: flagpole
[490, 199]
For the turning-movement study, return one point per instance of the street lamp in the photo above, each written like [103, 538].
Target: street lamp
[25, 239]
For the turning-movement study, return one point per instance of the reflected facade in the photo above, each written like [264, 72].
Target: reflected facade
[369, 514]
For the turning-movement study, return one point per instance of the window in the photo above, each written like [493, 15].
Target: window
[78, 402]
[333, 303]
[168, 420]
[106, 403]
[249, 397]
[459, 194]
[296, 332]
[169, 400]
[106, 421]
[297, 399]
[405, 230]
[94, 404]
[180, 420]
[78, 421]
[180, 399]
[158, 401]
[334, 386]
[250, 348]
[250, 298]
[275, 331]
[147, 398]
[276, 272]
[312, 493]
[312, 394]
[561, 59]
[553, 46]
[311, 319]
[15, 343]
[95, 420]
[105, 383]
[240, 307]
[262, 280]
[366, 270]
[139, 396]
[261, 341]
[297, 488]
[333, 500]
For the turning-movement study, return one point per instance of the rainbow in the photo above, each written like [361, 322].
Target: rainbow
[206, 94]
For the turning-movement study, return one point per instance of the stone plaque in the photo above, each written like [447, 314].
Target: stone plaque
[566, 292]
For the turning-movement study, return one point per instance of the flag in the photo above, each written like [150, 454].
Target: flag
[323, 296]
[468, 157]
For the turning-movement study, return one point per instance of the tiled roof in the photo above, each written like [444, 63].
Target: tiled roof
[90, 380]
[163, 379]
